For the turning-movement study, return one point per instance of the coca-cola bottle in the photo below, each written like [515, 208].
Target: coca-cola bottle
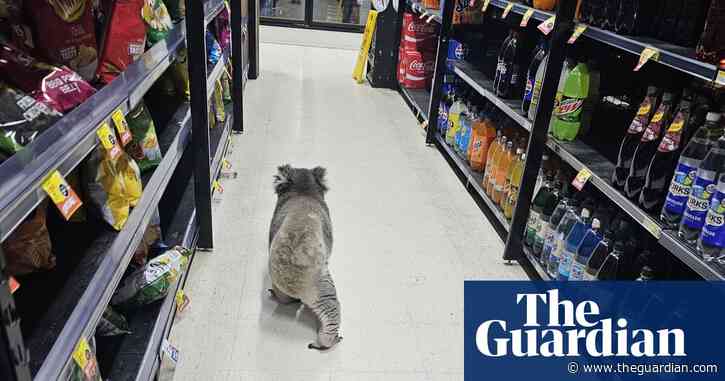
[711, 47]
[690, 22]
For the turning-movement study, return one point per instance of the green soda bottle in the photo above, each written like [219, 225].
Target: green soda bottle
[567, 115]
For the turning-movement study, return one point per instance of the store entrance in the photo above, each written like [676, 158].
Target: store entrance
[343, 15]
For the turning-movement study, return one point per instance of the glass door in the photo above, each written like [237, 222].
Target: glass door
[344, 15]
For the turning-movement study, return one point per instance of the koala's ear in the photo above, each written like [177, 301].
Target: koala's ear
[283, 178]
[319, 174]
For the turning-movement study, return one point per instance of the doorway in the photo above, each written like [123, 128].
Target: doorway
[341, 15]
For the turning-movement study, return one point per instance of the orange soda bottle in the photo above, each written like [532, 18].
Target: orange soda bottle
[481, 143]
[495, 161]
[501, 172]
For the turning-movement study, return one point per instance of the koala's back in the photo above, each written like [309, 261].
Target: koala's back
[300, 245]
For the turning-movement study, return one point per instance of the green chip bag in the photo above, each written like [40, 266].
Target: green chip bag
[144, 147]
[112, 323]
[158, 20]
[219, 102]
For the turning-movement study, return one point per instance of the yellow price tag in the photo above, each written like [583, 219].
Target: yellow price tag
[82, 355]
[720, 79]
[581, 178]
[226, 164]
[548, 25]
[485, 5]
[217, 186]
[580, 28]
[182, 301]
[507, 10]
[62, 195]
[119, 120]
[647, 54]
[527, 16]
[652, 227]
[108, 140]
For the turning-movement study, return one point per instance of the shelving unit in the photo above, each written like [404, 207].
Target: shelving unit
[418, 101]
[74, 313]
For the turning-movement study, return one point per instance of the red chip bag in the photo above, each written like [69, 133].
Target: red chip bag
[58, 87]
[124, 39]
[65, 33]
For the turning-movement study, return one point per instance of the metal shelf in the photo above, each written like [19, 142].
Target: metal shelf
[418, 100]
[69, 140]
[480, 83]
[473, 179]
[536, 265]
[75, 313]
[676, 57]
[689, 256]
[212, 9]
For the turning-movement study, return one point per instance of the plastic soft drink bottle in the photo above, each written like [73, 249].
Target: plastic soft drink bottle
[572, 242]
[545, 223]
[490, 157]
[559, 239]
[530, 79]
[556, 215]
[508, 78]
[632, 137]
[704, 187]
[501, 172]
[711, 47]
[659, 170]
[635, 17]
[464, 132]
[647, 147]
[536, 94]
[690, 22]
[513, 181]
[443, 114]
[500, 152]
[585, 251]
[600, 253]
[481, 143]
[454, 115]
[567, 115]
[544, 200]
[685, 174]
[611, 9]
[712, 239]
[500, 60]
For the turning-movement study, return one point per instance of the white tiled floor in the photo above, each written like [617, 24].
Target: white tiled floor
[406, 236]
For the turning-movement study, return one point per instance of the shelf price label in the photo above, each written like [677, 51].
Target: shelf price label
[547, 26]
[62, 195]
[652, 227]
[720, 78]
[581, 178]
[170, 351]
[527, 16]
[226, 164]
[108, 141]
[580, 28]
[217, 186]
[182, 301]
[507, 10]
[485, 5]
[119, 120]
[647, 54]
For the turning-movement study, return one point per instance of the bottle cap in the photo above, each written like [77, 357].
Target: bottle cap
[519, 151]
[667, 97]
[647, 272]
[595, 223]
[713, 116]
[585, 213]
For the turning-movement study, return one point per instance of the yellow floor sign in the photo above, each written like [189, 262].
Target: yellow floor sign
[358, 74]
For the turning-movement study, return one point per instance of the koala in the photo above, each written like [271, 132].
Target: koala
[300, 243]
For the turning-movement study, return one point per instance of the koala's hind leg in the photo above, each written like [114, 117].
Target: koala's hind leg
[280, 296]
[327, 309]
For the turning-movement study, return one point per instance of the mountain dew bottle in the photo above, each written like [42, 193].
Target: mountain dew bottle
[567, 114]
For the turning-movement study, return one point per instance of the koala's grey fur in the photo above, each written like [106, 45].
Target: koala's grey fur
[300, 243]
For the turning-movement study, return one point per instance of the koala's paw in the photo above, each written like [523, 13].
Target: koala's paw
[325, 342]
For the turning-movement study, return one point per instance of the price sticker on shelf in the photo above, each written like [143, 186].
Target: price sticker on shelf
[720, 78]
[647, 54]
[217, 186]
[108, 141]
[581, 178]
[62, 195]
[485, 5]
[424, 125]
[83, 355]
[577, 32]
[547, 26]
[182, 301]
[652, 227]
[226, 164]
[169, 351]
[507, 10]
[119, 120]
[527, 16]
[13, 284]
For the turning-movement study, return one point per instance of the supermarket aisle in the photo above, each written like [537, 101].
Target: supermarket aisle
[406, 235]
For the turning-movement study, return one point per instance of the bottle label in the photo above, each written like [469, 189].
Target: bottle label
[671, 141]
[713, 233]
[577, 271]
[698, 203]
[680, 188]
[569, 109]
[644, 108]
[565, 262]
[529, 91]
[533, 226]
[638, 125]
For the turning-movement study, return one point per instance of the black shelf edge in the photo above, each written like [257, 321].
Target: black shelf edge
[109, 261]
[418, 100]
[676, 57]
[68, 141]
[536, 265]
[473, 180]
[689, 256]
[220, 143]
[482, 85]
[212, 9]
[214, 76]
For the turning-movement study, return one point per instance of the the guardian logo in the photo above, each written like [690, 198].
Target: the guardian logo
[572, 330]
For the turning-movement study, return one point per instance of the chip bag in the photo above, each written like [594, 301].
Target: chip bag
[124, 39]
[114, 186]
[144, 148]
[28, 249]
[84, 366]
[22, 119]
[65, 33]
[219, 102]
[151, 235]
[158, 20]
[213, 50]
[223, 31]
[152, 282]
[226, 87]
[112, 323]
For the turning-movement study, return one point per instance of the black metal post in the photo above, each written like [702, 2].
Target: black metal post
[196, 46]
[237, 65]
[14, 357]
[440, 69]
[537, 138]
[253, 39]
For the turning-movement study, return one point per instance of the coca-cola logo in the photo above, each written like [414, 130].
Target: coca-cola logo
[422, 66]
[418, 27]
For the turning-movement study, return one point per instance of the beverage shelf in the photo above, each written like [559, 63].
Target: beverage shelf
[426, 13]
[473, 180]
[483, 85]
[676, 57]
[536, 265]
[418, 100]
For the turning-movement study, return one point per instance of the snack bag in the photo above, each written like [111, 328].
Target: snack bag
[28, 249]
[65, 33]
[181, 74]
[22, 119]
[213, 50]
[58, 87]
[223, 31]
[112, 323]
[219, 102]
[124, 40]
[152, 282]
[150, 237]
[84, 366]
[226, 87]
[114, 186]
[144, 148]
[158, 20]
